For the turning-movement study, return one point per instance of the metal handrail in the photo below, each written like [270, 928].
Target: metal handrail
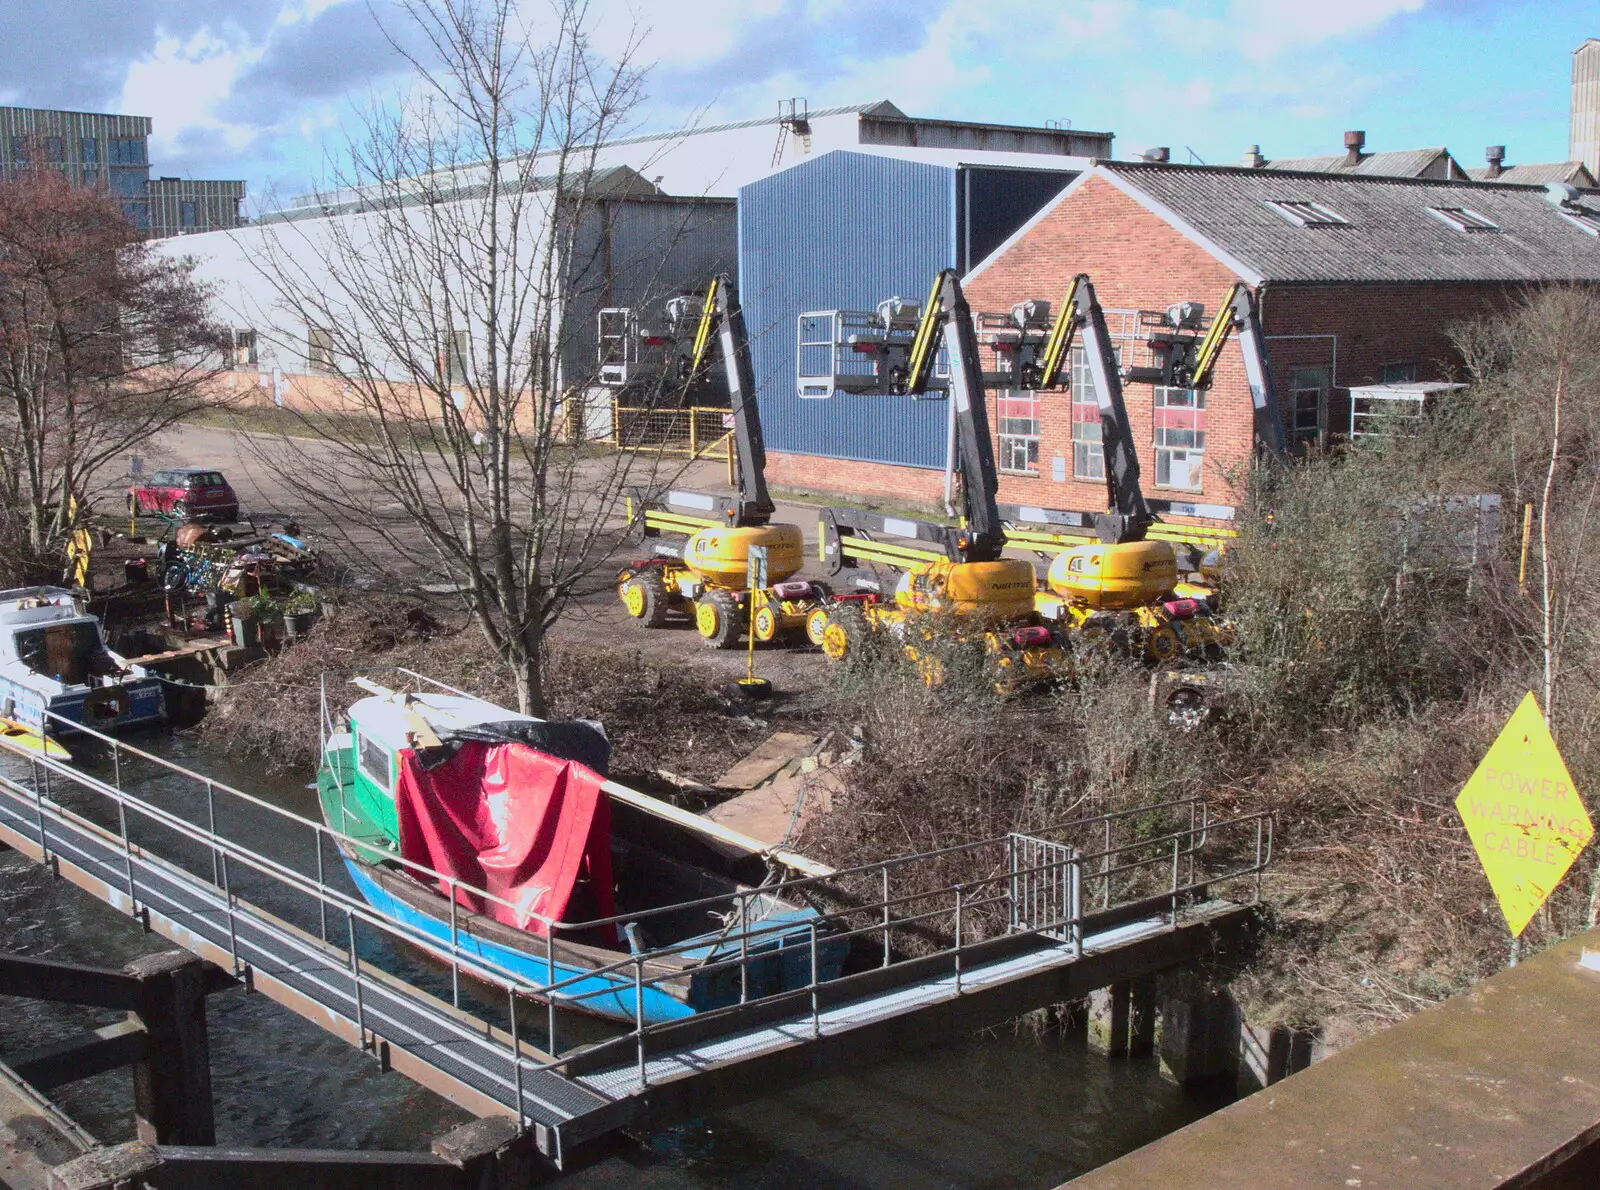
[841, 925]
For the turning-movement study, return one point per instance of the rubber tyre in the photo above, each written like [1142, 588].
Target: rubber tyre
[765, 624]
[718, 620]
[180, 510]
[749, 690]
[645, 597]
[845, 633]
[816, 625]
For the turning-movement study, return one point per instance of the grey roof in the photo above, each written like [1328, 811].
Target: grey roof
[1390, 234]
[1572, 172]
[1400, 163]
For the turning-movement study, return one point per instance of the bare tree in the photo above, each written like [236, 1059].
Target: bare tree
[103, 343]
[449, 299]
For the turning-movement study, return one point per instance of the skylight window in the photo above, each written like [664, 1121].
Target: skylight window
[1463, 219]
[1305, 213]
[1582, 218]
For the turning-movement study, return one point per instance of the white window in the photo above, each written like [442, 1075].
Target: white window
[1017, 423]
[1308, 401]
[375, 761]
[1305, 213]
[1180, 424]
[1088, 455]
[1464, 219]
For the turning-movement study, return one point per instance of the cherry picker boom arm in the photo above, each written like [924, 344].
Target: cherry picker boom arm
[1238, 313]
[721, 318]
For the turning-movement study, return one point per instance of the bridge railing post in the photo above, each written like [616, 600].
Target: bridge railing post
[38, 812]
[1105, 869]
[355, 978]
[744, 948]
[885, 871]
[549, 981]
[322, 883]
[960, 897]
[455, 948]
[1176, 861]
[1011, 884]
[638, 1018]
[1075, 904]
[816, 1018]
[516, 1052]
[127, 852]
[211, 829]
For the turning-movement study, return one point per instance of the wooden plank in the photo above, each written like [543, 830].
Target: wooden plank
[68, 983]
[83, 1055]
[770, 757]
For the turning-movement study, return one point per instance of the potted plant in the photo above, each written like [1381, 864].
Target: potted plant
[242, 619]
[299, 613]
[268, 613]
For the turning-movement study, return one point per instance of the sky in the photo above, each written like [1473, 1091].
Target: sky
[264, 89]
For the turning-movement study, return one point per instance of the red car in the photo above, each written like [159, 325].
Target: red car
[187, 494]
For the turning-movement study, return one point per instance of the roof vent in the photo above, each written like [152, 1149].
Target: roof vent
[1253, 158]
[1354, 142]
[1561, 193]
[1495, 155]
[1158, 156]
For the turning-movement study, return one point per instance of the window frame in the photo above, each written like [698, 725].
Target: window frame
[1305, 212]
[1011, 440]
[1408, 366]
[1090, 451]
[1193, 452]
[1464, 219]
[364, 744]
[1323, 388]
[245, 347]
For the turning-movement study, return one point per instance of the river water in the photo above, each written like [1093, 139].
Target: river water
[1006, 1109]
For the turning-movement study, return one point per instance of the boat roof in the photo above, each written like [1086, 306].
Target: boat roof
[34, 605]
[391, 718]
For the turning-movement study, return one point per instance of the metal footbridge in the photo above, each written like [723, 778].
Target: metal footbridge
[1056, 914]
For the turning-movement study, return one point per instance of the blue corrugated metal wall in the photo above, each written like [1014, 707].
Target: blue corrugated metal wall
[843, 231]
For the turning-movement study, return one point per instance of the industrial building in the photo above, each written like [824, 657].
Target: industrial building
[1358, 280]
[633, 246]
[843, 232]
[113, 151]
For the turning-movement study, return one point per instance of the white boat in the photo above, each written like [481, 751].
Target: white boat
[56, 670]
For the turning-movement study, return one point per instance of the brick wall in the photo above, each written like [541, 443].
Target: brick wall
[913, 487]
[1137, 261]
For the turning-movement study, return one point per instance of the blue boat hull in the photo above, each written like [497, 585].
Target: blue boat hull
[783, 963]
[146, 707]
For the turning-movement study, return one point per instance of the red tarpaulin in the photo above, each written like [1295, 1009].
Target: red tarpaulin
[514, 822]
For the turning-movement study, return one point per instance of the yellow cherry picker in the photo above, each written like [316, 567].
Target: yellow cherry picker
[706, 577]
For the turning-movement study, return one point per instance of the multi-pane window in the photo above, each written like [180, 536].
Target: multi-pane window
[19, 150]
[1017, 423]
[1308, 398]
[128, 183]
[1180, 424]
[319, 350]
[244, 349]
[1088, 455]
[54, 150]
[186, 214]
[125, 152]
[91, 150]
[1398, 374]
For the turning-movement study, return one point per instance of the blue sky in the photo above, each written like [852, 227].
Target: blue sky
[261, 88]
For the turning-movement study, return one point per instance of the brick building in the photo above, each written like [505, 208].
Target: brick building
[1358, 280]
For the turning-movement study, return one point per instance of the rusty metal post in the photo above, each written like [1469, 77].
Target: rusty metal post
[172, 1084]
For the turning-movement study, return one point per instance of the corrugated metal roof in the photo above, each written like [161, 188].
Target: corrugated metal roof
[1399, 163]
[1389, 233]
[1572, 172]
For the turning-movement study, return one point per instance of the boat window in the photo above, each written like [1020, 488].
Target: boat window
[61, 651]
[375, 762]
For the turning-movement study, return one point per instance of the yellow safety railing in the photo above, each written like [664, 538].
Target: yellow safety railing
[699, 431]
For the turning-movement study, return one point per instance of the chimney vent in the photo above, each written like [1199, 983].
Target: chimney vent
[1354, 142]
[1253, 158]
[1158, 156]
[1495, 155]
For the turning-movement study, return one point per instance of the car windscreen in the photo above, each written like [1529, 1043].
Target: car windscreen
[206, 479]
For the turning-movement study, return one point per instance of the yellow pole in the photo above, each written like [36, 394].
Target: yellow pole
[693, 453]
[1527, 531]
[750, 664]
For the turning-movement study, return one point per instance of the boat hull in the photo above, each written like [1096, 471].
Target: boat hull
[609, 995]
[126, 706]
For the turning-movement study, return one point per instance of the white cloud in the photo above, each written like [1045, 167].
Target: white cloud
[179, 84]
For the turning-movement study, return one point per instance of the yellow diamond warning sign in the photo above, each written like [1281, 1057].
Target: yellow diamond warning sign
[1524, 816]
